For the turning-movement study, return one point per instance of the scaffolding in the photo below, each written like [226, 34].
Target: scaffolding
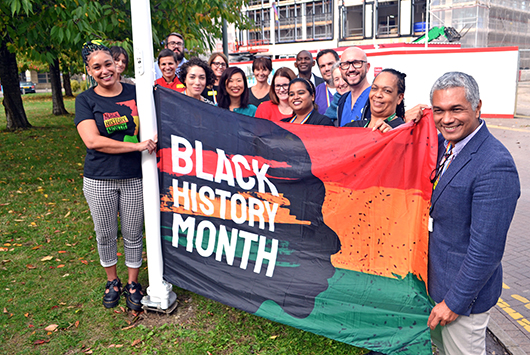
[487, 23]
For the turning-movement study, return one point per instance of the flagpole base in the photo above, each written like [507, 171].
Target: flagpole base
[160, 299]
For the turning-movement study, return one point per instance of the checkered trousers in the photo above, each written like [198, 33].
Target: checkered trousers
[106, 198]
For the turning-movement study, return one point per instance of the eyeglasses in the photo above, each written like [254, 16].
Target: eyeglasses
[175, 44]
[357, 64]
[219, 64]
[281, 87]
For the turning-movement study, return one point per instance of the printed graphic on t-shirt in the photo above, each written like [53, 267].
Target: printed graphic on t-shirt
[114, 122]
[134, 113]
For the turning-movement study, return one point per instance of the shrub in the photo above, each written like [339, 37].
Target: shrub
[75, 85]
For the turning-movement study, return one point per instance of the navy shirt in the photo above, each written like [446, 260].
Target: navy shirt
[116, 118]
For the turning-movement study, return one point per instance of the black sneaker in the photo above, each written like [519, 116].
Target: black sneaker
[134, 299]
[112, 298]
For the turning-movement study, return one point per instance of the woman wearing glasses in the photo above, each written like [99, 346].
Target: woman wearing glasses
[278, 107]
[218, 62]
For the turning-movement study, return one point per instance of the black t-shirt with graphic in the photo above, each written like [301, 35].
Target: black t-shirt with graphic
[116, 118]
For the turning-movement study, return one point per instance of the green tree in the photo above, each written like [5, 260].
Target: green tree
[48, 30]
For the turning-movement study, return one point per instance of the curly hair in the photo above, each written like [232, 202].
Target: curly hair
[223, 99]
[91, 47]
[196, 62]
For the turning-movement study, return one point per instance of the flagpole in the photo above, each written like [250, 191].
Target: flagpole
[159, 292]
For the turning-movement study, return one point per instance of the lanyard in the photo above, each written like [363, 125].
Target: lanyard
[387, 120]
[327, 94]
[303, 121]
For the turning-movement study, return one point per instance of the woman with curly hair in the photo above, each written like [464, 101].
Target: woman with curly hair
[107, 121]
[195, 74]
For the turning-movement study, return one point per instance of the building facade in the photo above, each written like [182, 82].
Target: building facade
[284, 27]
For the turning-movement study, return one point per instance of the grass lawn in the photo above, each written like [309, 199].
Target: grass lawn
[51, 281]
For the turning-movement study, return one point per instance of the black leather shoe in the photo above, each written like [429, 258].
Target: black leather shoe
[112, 298]
[134, 300]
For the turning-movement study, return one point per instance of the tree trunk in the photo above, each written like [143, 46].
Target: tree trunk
[66, 84]
[57, 92]
[14, 109]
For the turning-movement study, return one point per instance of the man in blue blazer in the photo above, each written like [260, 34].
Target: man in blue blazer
[476, 187]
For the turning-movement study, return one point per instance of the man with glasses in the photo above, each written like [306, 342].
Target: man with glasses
[354, 66]
[175, 42]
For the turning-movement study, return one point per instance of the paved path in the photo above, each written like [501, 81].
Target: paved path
[511, 316]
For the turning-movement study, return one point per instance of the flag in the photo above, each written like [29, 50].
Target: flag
[275, 8]
[320, 228]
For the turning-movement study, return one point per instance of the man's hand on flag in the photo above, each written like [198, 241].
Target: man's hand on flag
[441, 314]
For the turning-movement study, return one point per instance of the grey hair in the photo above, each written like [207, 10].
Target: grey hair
[456, 79]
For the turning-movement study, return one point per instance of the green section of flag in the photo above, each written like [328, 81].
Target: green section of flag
[369, 311]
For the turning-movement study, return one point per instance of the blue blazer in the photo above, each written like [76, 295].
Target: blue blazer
[472, 208]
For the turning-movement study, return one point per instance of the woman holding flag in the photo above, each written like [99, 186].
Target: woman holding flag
[107, 121]
[302, 101]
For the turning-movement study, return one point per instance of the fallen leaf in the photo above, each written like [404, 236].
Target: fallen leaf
[119, 345]
[36, 247]
[42, 341]
[84, 262]
[273, 337]
[112, 345]
[60, 266]
[119, 254]
[53, 307]
[129, 327]
[62, 251]
[76, 323]
[51, 327]
[66, 215]
[5, 310]
[136, 342]
[122, 309]
[26, 315]
[29, 266]
[47, 258]
[31, 326]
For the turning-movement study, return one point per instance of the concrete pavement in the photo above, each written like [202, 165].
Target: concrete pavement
[510, 320]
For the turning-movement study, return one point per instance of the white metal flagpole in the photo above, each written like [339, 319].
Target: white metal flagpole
[159, 292]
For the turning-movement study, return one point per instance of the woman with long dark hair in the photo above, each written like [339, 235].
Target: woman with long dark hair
[234, 92]
[302, 101]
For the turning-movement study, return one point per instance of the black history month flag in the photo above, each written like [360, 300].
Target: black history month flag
[320, 228]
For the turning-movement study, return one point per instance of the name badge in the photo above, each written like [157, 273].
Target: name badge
[431, 222]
